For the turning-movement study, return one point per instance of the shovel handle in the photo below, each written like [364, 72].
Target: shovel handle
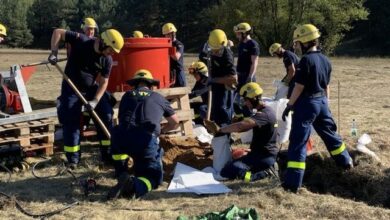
[84, 101]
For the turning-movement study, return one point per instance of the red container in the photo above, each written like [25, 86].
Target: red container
[140, 53]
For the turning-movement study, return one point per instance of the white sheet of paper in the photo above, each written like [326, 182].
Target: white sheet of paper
[189, 180]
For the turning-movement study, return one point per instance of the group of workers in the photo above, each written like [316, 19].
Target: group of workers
[141, 109]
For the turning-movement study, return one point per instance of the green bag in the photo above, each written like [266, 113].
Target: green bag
[231, 213]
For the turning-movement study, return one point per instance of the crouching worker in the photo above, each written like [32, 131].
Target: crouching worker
[136, 136]
[260, 162]
[200, 72]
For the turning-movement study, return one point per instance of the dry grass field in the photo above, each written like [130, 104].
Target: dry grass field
[362, 193]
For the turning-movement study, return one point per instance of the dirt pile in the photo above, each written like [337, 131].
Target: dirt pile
[368, 181]
[186, 150]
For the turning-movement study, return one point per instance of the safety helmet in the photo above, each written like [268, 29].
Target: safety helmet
[274, 48]
[89, 23]
[138, 34]
[306, 33]
[217, 39]
[3, 30]
[143, 75]
[242, 28]
[114, 39]
[198, 67]
[168, 28]
[251, 90]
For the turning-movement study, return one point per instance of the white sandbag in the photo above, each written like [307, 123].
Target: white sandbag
[221, 152]
[201, 134]
[284, 127]
[361, 146]
[281, 89]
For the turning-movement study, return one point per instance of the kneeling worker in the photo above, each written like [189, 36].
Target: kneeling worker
[200, 72]
[140, 114]
[260, 162]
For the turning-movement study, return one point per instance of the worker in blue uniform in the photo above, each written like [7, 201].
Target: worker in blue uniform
[290, 61]
[260, 162]
[176, 59]
[309, 103]
[248, 59]
[140, 113]
[199, 71]
[89, 60]
[223, 78]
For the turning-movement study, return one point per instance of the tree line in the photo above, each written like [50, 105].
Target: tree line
[31, 22]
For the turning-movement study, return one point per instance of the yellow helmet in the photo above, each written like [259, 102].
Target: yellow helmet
[198, 67]
[138, 34]
[168, 28]
[114, 39]
[242, 28]
[3, 30]
[143, 75]
[251, 90]
[306, 33]
[89, 23]
[274, 48]
[217, 39]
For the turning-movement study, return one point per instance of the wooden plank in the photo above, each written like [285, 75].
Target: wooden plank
[167, 93]
[184, 103]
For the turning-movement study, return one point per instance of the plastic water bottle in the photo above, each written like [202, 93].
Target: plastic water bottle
[354, 130]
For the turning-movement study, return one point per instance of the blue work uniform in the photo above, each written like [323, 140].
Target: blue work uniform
[262, 156]
[311, 109]
[244, 62]
[83, 67]
[222, 98]
[177, 66]
[140, 114]
[290, 58]
[200, 108]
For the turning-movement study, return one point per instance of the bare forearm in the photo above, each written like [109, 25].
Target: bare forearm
[101, 89]
[57, 36]
[252, 70]
[328, 91]
[242, 126]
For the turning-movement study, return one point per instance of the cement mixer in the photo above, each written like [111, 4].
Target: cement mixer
[141, 53]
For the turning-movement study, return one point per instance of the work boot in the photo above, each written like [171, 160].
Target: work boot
[124, 187]
[71, 166]
[273, 170]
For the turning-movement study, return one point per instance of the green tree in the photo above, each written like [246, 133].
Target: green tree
[13, 14]
[45, 15]
[275, 20]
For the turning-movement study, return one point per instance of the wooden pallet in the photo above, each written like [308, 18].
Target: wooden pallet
[180, 102]
[34, 135]
[26, 128]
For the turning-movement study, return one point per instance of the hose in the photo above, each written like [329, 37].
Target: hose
[8, 171]
[42, 215]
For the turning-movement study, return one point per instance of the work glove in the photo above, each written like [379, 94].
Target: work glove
[53, 59]
[286, 112]
[91, 105]
[212, 127]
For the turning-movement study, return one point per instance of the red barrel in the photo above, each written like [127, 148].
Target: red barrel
[140, 53]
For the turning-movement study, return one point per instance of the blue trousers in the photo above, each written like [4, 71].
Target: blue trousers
[307, 112]
[222, 105]
[146, 153]
[180, 80]
[200, 111]
[249, 167]
[69, 113]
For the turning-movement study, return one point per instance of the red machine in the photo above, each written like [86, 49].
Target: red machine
[11, 88]
[141, 53]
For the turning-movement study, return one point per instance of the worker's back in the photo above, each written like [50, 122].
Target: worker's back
[143, 109]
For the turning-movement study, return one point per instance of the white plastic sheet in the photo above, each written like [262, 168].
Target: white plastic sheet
[201, 134]
[189, 180]
[361, 146]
